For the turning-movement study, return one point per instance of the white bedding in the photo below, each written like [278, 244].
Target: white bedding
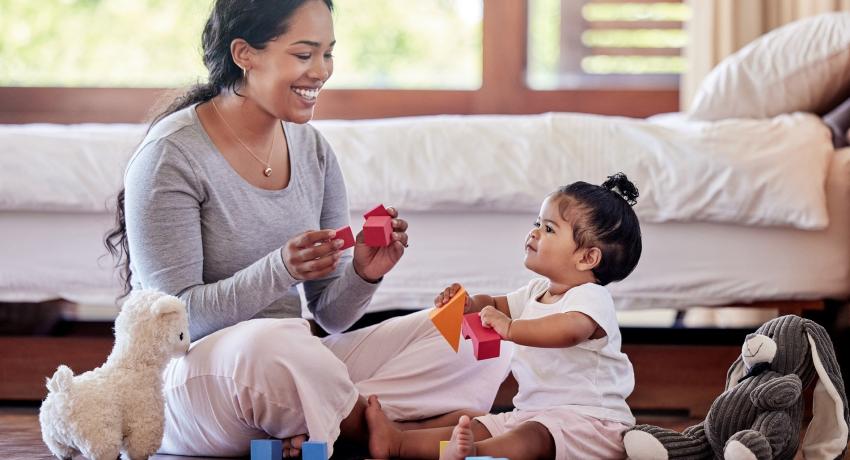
[76, 168]
[683, 265]
[755, 172]
[48, 255]
[55, 182]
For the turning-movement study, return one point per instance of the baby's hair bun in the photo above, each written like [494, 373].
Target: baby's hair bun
[621, 185]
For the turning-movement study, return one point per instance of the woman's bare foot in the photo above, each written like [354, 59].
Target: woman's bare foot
[384, 437]
[439, 421]
[292, 446]
[462, 444]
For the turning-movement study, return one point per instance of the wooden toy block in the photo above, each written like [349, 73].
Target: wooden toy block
[443, 445]
[377, 211]
[378, 231]
[346, 236]
[266, 449]
[485, 341]
[448, 318]
[314, 450]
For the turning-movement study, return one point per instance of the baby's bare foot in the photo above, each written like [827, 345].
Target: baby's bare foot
[384, 437]
[292, 446]
[462, 444]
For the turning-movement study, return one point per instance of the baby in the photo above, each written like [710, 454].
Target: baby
[573, 378]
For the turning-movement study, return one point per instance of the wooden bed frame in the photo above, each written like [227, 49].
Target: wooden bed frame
[677, 378]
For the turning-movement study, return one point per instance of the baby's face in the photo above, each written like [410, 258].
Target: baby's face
[550, 249]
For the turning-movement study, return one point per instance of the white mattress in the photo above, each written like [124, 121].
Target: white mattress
[47, 255]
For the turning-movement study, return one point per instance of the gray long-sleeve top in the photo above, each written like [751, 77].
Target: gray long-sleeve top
[198, 230]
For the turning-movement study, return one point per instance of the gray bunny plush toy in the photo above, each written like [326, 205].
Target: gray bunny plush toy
[760, 413]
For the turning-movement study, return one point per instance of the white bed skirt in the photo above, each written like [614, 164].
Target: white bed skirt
[49, 255]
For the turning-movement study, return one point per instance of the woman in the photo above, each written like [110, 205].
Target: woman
[221, 204]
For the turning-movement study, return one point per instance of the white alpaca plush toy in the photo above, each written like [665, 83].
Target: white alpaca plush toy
[119, 407]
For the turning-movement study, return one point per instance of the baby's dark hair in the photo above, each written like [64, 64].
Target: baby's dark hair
[602, 217]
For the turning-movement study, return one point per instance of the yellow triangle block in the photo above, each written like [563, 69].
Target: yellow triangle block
[448, 318]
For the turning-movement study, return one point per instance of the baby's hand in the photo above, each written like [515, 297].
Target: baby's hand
[490, 317]
[449, 292]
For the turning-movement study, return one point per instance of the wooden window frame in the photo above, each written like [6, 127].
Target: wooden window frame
[574, 25]
[503, 90]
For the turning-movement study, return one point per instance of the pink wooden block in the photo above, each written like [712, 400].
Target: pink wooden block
[378, 230]
[346, 236]
[485, 341]
[378, 210]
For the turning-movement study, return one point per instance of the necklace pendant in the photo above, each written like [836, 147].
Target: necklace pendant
[267, 172]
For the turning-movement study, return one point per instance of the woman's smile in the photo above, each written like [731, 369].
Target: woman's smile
[307, 94]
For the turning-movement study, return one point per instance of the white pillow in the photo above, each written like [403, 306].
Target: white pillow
[803, 66]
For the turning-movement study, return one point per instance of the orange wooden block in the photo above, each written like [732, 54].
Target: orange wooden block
[449, 317]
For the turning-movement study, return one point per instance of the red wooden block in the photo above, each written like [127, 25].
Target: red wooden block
[346, 236]
[378, 210]
[485, 341]
[378, 230]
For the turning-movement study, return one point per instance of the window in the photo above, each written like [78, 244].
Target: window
[421, 44]
[434, 44]
[101, 43]
[586, 43]
[112, 60]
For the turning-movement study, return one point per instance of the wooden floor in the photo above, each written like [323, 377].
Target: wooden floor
[20, 437]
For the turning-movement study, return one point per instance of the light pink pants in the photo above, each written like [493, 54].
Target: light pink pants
[272, 377]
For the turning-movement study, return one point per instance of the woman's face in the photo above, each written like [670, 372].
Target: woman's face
[286, 76]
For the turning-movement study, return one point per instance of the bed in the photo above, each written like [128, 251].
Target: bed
[762, 245]
[51, 240]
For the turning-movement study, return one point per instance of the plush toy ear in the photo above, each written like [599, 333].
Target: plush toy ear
[827, 433]
[735, 372]
[167, 304]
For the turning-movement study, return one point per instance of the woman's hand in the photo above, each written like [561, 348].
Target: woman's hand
[373, 263]
[312, 255]
[490, 317]
[449, 292]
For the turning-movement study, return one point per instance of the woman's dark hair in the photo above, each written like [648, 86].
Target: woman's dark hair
[255, 21]
[602, 216]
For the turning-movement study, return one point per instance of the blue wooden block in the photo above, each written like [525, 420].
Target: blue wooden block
[479, 458]
[314, 450]
[266, 449]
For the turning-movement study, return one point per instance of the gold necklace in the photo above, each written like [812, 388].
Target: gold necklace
[268, 170]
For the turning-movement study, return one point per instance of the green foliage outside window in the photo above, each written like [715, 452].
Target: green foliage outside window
[156, 43]
[408, 44]
[381, 43]
[150, 43]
